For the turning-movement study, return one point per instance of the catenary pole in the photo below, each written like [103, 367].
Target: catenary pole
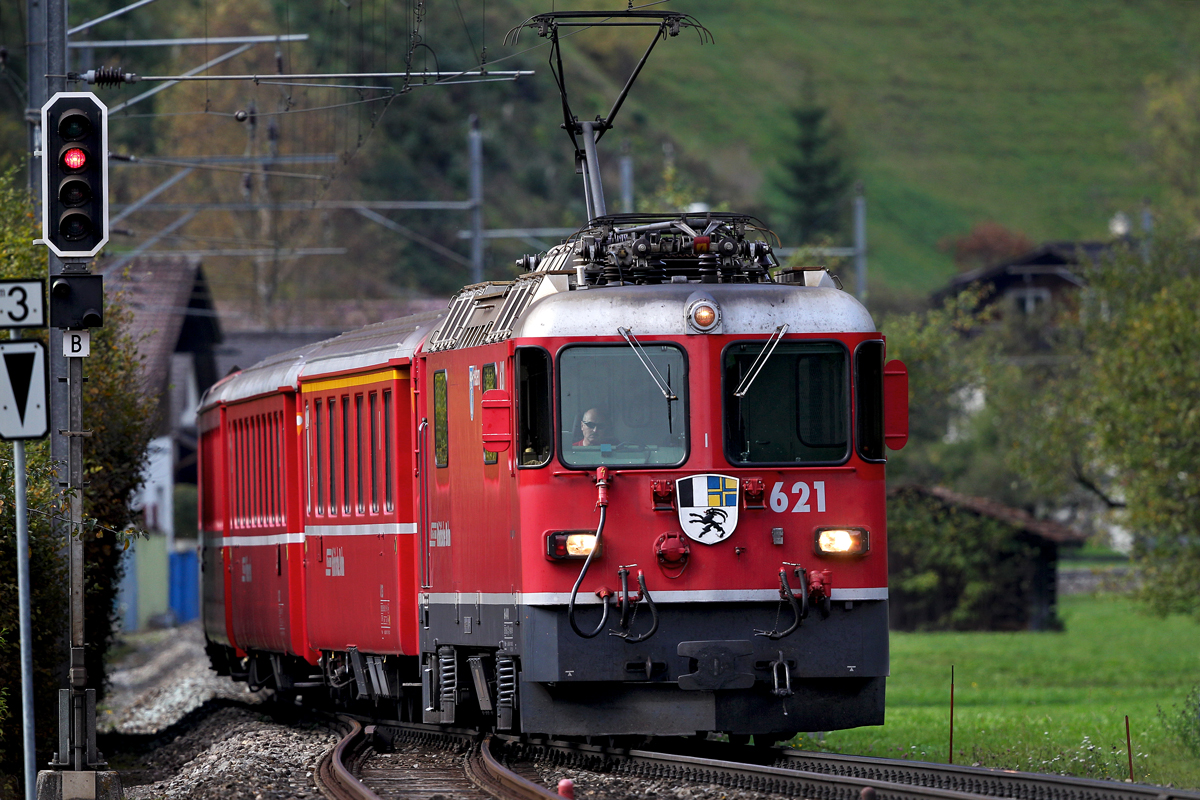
[24, 612]
[475, 141]
[860, 243]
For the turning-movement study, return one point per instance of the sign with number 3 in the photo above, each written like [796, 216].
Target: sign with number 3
[21, 304]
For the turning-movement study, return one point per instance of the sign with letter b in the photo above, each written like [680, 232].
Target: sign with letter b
[77, 344]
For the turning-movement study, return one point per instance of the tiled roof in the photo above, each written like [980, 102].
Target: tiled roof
[1016, 517]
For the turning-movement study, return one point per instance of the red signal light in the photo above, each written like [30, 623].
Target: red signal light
[75, 158]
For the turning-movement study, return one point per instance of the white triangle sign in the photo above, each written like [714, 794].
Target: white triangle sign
[24, 410]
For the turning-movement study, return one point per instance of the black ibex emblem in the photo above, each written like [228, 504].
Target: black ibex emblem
[711, 519]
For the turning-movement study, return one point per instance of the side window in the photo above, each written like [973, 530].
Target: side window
[375, 444]
[389, 444]
[358, 451]
[441, 425]
[331, 407]
[489, 382]
[346, 454]
[533, 407]
[318, 434]
[868, 396]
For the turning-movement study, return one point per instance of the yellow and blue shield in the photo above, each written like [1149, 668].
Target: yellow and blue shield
[708, 507]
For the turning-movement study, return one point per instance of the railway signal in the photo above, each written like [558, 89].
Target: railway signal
[74, 174]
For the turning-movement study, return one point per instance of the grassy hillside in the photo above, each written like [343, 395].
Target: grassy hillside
[1019, 112]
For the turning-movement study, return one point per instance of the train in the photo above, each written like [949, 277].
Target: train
[637, 490]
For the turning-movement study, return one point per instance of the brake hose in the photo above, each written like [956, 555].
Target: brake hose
[578, 581]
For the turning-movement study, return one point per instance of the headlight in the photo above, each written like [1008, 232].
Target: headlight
[842, 541]
[703, 315]
[570, 544]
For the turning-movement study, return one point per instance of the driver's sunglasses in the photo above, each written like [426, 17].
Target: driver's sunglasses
[593, 425]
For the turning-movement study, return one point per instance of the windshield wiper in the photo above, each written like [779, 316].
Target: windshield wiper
[663, 386]
[761, 360]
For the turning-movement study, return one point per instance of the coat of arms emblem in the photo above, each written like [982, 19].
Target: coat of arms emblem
[708, 507]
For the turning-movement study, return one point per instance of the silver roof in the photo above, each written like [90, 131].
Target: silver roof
[374, 345]
[662, 310]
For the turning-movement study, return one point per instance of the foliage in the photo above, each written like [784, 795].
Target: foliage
[949, 569]
[1172, 128]
[813, 175]
[119, 416]
[986, 244]
[1120, 414]
[1183, 720]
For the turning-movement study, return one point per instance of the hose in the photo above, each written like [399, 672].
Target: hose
[799, 607]
[578, 581]
[653, 614]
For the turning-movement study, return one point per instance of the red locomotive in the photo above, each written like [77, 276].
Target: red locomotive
[637, 490]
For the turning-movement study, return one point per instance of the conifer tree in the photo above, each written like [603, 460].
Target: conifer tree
[814, 178]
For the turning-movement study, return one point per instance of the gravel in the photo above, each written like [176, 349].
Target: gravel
[173, 728]
[604, 786]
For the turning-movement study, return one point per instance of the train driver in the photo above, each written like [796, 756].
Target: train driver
[593, 429]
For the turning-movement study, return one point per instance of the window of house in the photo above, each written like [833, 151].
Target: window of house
[534, 437]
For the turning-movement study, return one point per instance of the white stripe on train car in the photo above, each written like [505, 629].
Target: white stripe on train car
[697, 596]
[371, 529]
[365, 529]
[251, 541]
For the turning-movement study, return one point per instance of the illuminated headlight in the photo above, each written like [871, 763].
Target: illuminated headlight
[842, 541]
[704, 315]
[570, 544]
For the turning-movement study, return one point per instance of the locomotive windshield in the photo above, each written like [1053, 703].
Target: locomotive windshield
[796, 410]
[612, 411]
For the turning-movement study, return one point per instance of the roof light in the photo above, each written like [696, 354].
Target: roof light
[704, 315]
[842, 541]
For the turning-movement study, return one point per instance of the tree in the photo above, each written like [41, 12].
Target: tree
[119, 416]
[1171, 123]
[986, 244]
[813, 176]
[1122, 416]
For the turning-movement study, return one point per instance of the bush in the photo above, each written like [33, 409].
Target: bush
[950, 569]
[1183, 721]
[119, 414]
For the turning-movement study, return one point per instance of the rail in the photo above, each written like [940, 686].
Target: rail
[334, 774]
[977, 780]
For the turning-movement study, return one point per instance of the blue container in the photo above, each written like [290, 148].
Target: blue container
[185, 586]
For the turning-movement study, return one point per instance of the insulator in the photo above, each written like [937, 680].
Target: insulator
[709, 269]
[107, 76]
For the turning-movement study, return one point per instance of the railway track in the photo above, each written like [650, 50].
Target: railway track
[429, 764]
[478, 770]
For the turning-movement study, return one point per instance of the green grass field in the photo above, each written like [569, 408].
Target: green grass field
[957, 112]
[1048, 702]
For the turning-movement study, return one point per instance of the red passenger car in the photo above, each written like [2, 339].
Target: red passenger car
[638, 490]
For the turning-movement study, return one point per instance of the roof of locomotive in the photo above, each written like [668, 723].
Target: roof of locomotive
[546, 305]
[374, 345]
[662, 310]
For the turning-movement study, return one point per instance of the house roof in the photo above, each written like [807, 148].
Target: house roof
[1056, 260]
[172, 311]
[983, 507]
